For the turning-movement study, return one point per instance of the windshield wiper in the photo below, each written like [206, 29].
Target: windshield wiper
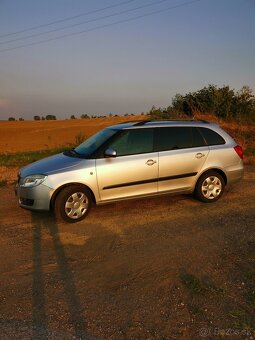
[72, 153]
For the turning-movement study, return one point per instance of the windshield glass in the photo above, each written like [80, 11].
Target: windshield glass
[93, 143]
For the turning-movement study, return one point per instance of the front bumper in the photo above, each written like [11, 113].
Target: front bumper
[34, 198]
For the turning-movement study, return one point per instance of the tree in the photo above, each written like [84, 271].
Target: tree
[72, 117]
[11, 119]
[37, 118]
[50, 117]
[84, 116]
[21, 119]
[219, 101]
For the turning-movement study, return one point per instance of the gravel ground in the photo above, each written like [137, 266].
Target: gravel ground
[160, 268]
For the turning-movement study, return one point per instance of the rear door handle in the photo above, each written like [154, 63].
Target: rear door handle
[150, 162]
[200, 155]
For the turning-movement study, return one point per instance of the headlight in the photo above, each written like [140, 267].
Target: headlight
[32, 181]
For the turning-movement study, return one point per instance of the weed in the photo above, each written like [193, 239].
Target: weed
[242, 321]
[199, 286]
[80, 138]
[251, 296]
[3, 183]
[194, 309]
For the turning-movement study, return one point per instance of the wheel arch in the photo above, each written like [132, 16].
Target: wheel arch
[57, 191]
[219, 171]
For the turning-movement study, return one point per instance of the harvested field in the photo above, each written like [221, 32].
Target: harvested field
[47, 134]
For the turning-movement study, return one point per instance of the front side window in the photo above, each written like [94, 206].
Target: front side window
[133, 142]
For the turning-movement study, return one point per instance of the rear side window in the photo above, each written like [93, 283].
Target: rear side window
[173, 138]
[211, 137]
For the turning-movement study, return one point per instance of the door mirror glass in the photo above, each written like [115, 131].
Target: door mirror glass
[110, 153]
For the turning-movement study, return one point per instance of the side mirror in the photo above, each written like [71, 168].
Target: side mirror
[110, 153]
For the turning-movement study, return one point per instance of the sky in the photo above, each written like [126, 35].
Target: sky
[126, 57]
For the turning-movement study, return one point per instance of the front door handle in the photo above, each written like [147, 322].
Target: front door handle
[150, 162]
[200, 155]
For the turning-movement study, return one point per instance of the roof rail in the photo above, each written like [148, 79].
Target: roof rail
[143, 122]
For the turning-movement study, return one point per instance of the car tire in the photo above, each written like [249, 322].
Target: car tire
[73, 203]
[210, 186]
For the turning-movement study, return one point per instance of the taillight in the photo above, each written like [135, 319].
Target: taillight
[239, 150]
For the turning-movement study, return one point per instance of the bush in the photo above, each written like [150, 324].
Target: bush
[50, 117]
[84, 116]
[219, 101]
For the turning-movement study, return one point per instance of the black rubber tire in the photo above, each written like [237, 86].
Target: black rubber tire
[199, 191]
[62, 198]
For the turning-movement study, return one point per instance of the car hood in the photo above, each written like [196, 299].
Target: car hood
[52, 164]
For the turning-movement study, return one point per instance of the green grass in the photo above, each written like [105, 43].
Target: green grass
[23, 158]
[3, 183]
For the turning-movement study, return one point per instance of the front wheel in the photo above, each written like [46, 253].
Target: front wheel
[73, 203]
[210, 187]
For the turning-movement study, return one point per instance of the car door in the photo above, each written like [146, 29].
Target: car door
[134, 170]
[182, 153]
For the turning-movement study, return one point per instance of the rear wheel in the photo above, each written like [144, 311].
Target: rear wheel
[73, 203]
[210, 187]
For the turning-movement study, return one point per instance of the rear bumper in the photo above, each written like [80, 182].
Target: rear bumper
[235, 173]
[34, 198]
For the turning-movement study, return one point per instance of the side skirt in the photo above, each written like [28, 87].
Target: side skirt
[186, 190]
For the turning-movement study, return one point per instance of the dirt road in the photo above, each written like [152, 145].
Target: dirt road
[159, 268]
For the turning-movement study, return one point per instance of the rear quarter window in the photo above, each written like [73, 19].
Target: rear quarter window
[211, 137]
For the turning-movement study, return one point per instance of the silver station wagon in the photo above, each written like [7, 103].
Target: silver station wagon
[132, 160]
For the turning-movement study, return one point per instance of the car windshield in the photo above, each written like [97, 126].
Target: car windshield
[93, 143]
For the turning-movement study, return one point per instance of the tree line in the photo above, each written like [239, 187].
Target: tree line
[83, 116]
[222, 102]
